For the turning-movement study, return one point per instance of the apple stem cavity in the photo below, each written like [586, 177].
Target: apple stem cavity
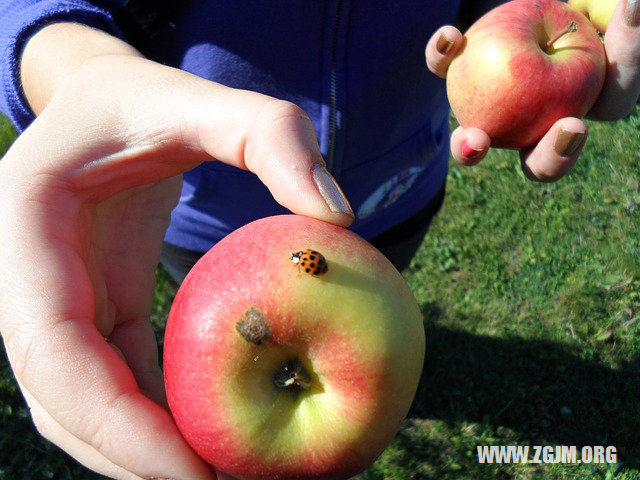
[572, 27]
[291, 375]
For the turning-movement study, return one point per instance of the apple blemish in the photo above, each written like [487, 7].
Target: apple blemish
[290, 375]
[253, 326]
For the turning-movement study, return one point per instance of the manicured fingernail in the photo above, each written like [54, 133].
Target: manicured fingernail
[632, 13]
[470, 152]
[443, 45]
[567, 142]
[330, 191]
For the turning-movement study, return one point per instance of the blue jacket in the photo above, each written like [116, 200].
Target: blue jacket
[357, 68]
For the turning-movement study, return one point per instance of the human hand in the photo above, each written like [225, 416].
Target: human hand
[556, 153]
[86, 197]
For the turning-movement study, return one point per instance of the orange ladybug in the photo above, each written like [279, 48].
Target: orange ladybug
[311, 261]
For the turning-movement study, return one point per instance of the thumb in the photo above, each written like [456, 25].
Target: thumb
[134, 122]
[622, 82]
[443, 45]
[276, 141]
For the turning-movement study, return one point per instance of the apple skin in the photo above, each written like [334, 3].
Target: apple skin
[599, 12]
[357, 330]
[504, 82]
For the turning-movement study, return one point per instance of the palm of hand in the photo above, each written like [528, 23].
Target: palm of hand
[126, 240]
[85, 216]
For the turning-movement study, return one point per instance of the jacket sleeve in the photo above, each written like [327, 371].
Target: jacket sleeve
[19, 19]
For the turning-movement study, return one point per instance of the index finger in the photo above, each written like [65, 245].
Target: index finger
[622, 45]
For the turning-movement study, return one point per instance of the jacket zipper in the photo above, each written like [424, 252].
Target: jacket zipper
[333, 88]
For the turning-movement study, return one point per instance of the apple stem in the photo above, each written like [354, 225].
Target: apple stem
[292, 375]
[572, 27]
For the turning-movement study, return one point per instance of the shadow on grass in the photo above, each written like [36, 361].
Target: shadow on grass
[542, 390]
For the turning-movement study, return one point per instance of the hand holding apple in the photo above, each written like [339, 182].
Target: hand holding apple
[523, 66]
[557, 151]
[275, 372]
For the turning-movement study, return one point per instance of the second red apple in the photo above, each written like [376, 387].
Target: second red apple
[517, 73]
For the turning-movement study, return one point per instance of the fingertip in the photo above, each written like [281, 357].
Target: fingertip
[441, 48]
[568, 141]
[342, 220]
[557, 152]
[469, 145]
[471, 154]
[340, 211]
[282, 150]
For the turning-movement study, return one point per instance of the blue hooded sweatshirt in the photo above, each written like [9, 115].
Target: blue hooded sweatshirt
[356, 67]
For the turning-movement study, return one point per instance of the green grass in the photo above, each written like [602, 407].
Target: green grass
[7, 134]
[531, 297]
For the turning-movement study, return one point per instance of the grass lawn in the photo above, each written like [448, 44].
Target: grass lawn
[531, 299]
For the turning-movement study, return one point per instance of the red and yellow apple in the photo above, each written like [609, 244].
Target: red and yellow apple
[523, 66]
[599, 12]
[272, 372]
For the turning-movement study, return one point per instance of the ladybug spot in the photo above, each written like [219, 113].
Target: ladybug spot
[307, 270]
[313, 265]
[312, 257]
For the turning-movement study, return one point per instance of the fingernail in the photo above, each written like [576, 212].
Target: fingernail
[470, 152]
[443, 45]
[632, 13]
[567, 142]
[330, 191]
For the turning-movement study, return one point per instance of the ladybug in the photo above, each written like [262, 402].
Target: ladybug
[310, 261]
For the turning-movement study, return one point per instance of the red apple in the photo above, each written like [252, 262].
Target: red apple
[273, 372]
[517, 73]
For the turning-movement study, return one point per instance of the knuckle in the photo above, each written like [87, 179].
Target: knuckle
[20, 348]
[539, 175]
[95, 436]
[282, 113]
[276, 124]
[439, 66]
[43, 423]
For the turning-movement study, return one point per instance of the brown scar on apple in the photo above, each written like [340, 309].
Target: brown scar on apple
[253, 326]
